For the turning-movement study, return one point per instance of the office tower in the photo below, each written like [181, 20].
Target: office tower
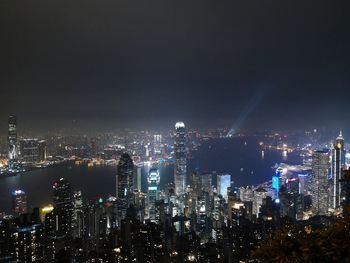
[157, 144]
[303, 178]
[320, 166]
[276, 183]
[153, 183]
[207, 182]
[45, 210]
[63, 212]
[223, 183]
[246, 194]
[337, 164]
[62, 196]
[19, 202]
[28, 243]
[29, 149]
[259, 195]
[235, 210]
[137, 178]
[12, 138]
[180, 166]
[78, 214]
[196, 184]
[269, 210]
[347, 160]
[346, 189]
[42, 150]
[124, 184]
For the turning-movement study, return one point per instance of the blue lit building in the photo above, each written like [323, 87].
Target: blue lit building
[276, 183]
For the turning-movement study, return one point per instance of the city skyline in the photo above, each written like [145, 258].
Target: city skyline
[174, 131]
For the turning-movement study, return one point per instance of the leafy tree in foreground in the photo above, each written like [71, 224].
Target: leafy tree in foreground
[294, 244]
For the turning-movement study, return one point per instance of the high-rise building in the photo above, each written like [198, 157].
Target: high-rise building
[157, 144]
[303, 179]
[196, 184]
[153, 183]
[207, 182]
[137, 178]
[42, 150]
[28, 243]
[32, 150]
[19, 202]
[63, 212]
[276, 183]
[346, 189]
[223, 183]
[12, 138]
[62, 196]
[260, 195]
[180, 158]
[246, 194]
[78, 214]
[124, 184]
[320, 193]
[347, 160]
[337, 164]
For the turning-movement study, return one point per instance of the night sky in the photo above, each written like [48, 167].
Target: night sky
[111, 64]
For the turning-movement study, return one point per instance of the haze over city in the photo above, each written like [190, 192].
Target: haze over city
[174, 131]
[119, 64]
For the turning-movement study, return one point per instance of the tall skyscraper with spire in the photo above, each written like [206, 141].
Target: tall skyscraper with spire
[180, 158]
[12, 138]
[153, 184]
[337, 164]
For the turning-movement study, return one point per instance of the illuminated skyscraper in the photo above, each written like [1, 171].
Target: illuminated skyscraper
[259, 196]
[180, 158]
[137, 178]
[276, 184]
[246, 194]
[62, 196]
[63, 212]
[124, 184]
[153, 183]
[32, 150]
[157, 144]
[223, 183]
[28, 243]
[78, 214]
[12, 138]
[19, 202]
[337, 164]
[207, 182]
[196, 184]
[320, 166]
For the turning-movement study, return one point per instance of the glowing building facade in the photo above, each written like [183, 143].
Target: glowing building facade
[320, 165]
[337, 165]
[180, 158]
[32, 150]
[124, 184]
[153, 184]
[223, 183]
[12, 138]
[19, 202]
